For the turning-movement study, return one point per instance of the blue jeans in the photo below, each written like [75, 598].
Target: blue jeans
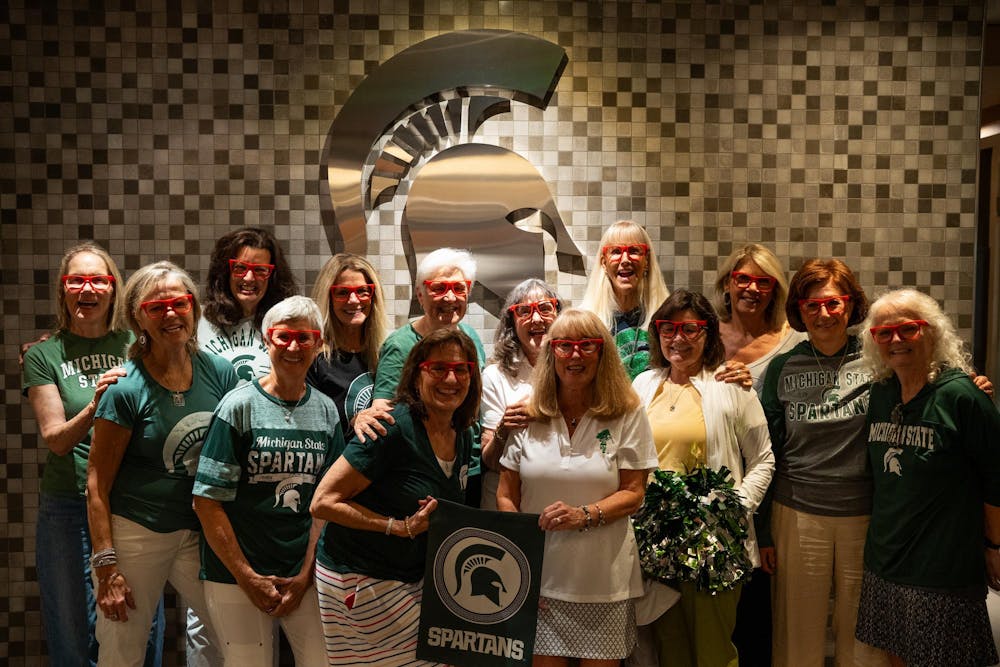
[69, 610]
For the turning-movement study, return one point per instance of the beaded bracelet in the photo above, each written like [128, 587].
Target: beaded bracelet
[388, 526]
[600, 515]
[406, 522]
[586, 518]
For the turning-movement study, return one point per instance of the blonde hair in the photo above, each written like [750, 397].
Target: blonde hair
[613, 395]
[375, 328]
[769, 262]
[600, 295]
[140, 285]
[947, 349]
[116, 318]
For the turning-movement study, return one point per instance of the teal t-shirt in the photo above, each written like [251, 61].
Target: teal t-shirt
[73, 364]
[262, 459]
[154, 481]
[402, 469]
[935, 461]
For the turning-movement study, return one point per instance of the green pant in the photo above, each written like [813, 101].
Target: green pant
[697, 631]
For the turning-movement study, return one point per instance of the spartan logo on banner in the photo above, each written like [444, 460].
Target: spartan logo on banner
[481, 587]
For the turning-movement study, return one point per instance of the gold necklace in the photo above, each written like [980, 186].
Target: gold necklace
[823, 370]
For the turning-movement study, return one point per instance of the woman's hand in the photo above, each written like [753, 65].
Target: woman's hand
[262, 591]
[420, 521]
[292, 589]
[560, 516]
[735, 372]
[108, 378]
[515, 416]
[368, 422]
[114, 597]
[768, 560]
[983, 383]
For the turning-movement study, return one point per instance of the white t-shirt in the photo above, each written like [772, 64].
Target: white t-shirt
[602, 564]
[499, 391]
[242, 345]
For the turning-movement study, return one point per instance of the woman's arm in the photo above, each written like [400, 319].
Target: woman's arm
[294, 588]
[754, 441]
[260, 589]
[61, 435]
[509, 491]
[107, 448]
[620, 504]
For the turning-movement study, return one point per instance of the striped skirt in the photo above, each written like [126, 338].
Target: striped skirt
[369, 621]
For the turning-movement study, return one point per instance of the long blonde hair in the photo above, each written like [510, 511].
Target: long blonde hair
[769, 262]
[116, 315]
[613, 395]
[374, 330]
[600, 295]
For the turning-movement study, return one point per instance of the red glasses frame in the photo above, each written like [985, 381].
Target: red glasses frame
[883, 334]
[355, 290]
[676, 326]
[764, 283]
[812, 306]
[260, 271]
[565, 347]
[626, 249]
[439, 370]
[306, 338]
[181, 305]
[87, 280]
[440, 288]
[535, 307]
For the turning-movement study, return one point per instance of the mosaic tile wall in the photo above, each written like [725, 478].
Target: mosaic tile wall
[834, 128]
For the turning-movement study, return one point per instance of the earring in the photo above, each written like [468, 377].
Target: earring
[142, 339]
[727, 299]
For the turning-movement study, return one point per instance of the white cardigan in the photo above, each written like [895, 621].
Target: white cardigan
[736, 436]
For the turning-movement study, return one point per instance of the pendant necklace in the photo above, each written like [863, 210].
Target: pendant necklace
[177, 398]
[680, 393]
[822, 369]
[290, 411]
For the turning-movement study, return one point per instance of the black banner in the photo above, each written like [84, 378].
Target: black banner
[481, 587]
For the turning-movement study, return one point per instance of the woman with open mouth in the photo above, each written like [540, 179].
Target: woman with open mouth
[581, 465]
[247, 274]
[935, 458]
[62, 382]
[378, 497]
[268, 445]
[352, 305]
[625, 285]
[148, 432]
[528, 312]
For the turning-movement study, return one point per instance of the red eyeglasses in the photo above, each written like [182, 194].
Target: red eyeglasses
[688, 329]
[834, 305]
[305, 338]
[439, 288]
[344, 292]
[239, 269]
[586, 347]
[546, 308]
[905, 330]
[157, 308]
[439, 370]
[635, 251]
[76, 283]
[743, 280]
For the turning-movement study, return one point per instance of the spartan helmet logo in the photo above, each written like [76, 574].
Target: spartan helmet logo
[474, 560]
[286, 495]
[406, 134]
[890, 462]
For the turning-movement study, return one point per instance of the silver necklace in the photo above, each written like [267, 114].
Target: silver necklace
[290, 411]
[822, 369]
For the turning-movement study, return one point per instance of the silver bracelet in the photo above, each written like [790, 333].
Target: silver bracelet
[388, 526]
[103, 558]
[600, 515]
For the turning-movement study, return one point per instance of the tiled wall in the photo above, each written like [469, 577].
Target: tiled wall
[836, 127]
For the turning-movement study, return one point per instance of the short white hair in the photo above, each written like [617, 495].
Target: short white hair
[446, 258]
[293, 308]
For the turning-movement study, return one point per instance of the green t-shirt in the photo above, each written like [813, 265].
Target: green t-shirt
[402, 469]
[935, 461]
[73, 364]
[262, 459]
[153, 484]
[396, 349]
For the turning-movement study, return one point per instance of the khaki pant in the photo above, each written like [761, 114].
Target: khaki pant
[816, 554]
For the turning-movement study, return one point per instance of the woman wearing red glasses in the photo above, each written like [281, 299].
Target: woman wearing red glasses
[815, 397]
[268, 445]
[352, 304]
[581, 464]
[625, 285]
[935, 458]
[62, 382]
[247, 274]
[700, 422]
[528, 312]
[378, 497]
[148, 433]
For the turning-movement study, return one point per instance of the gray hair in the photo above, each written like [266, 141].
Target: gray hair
[446, 258]
[142, 283]
[293, 308]
[947, 349]
[506, 345]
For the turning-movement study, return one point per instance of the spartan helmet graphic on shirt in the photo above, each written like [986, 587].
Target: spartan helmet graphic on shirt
[890, 461]
[286, 495]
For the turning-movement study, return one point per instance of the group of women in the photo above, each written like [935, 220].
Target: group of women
[315, 448]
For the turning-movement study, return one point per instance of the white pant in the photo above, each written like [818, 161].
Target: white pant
[246, 634]
[148, 560]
